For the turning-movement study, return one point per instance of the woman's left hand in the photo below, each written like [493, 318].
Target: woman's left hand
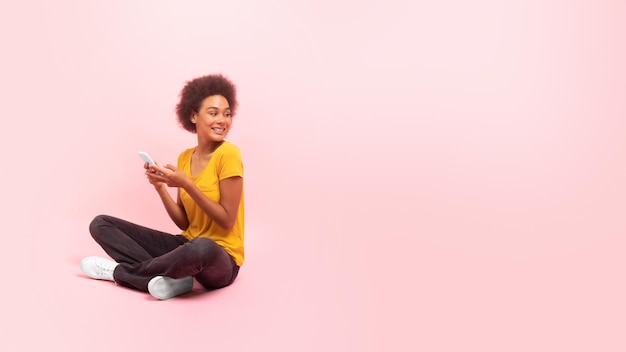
[170, 175]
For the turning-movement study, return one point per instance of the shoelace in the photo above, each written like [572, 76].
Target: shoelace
[105, 268]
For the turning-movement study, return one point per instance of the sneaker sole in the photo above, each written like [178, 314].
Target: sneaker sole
[163, 287]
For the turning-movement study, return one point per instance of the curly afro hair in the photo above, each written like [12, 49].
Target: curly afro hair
[198, 89]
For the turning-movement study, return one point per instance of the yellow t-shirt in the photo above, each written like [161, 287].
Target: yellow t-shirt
[225, 162]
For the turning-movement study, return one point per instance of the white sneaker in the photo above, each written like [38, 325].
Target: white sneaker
[163, 287]
[98, 268]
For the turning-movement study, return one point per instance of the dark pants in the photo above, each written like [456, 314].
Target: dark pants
[144, 253]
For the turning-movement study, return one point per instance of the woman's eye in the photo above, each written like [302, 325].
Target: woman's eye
[213, 114]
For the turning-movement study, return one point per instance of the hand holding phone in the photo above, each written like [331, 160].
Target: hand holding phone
[146, 158]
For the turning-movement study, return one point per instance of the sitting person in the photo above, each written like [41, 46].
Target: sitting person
[209, 207]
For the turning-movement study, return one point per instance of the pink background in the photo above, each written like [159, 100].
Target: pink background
[420, 176]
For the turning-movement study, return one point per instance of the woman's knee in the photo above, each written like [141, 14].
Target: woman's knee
[204, 249]
[202, 246]
[96, 225]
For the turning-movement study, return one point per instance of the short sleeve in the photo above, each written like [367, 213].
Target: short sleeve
[230, 163]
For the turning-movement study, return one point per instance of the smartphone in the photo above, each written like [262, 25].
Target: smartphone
[146, 158]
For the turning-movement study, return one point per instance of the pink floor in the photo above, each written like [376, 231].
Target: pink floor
[298, 292]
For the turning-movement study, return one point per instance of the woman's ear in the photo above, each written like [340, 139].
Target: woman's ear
[194, 118]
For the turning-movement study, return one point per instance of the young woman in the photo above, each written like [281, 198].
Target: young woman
[209, 208]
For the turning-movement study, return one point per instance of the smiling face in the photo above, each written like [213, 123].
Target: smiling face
[213, 119]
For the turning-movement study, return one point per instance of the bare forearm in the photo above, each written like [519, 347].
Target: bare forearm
[224, 212]
[176, 213]
[213, 209]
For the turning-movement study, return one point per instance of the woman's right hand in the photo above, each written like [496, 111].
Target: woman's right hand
[153, 181]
